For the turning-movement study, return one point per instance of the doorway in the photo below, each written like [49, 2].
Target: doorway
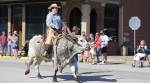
[93, 21]
[75, 18]
[111, 20]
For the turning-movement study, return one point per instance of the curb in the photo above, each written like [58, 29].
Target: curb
[22, 59]
[110, 58]
[7, 57]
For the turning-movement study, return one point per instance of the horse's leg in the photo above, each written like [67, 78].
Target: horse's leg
[74, 72]
[55, 71]
[55, 62]
[37, 65]
[28, 66]
[74, 69]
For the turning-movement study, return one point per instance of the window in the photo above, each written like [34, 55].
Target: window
[111, 21]
[35, 19]
[3, 18]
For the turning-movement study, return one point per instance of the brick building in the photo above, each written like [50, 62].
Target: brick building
[28, 17]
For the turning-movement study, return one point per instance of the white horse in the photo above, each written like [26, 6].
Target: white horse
[63, 54]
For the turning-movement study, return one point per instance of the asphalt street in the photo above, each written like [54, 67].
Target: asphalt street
[12, 71]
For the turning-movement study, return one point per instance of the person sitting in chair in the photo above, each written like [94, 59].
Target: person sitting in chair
[141, 52]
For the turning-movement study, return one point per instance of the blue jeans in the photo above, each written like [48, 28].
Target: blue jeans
[98, 52]
[4, 49]
[9, 50]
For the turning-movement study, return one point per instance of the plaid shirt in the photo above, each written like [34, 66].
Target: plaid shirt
[54, 21]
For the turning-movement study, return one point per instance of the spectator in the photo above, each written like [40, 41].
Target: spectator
[141, 52]
[86, 55]
[82, 39]
[15, 32]
[91, 38]
[9, 43]
[3, 42]
[92, 53]
[98, 46]
[15, 42]
[92, 48]
[104, 43]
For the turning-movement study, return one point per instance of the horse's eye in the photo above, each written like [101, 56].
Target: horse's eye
[38, 42]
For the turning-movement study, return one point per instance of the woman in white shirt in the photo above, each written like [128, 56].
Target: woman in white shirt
[15, 43]
[9, 43]
[104, 43]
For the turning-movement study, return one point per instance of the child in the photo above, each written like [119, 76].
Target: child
[92, 53]
[86, 55]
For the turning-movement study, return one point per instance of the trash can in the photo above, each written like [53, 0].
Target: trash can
[124, 50]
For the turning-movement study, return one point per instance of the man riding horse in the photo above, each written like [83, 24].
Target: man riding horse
[63, 47]
[54, 25]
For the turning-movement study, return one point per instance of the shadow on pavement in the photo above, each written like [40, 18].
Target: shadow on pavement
[115, 63]
[97, 78]
[85, 77]
[92, 78]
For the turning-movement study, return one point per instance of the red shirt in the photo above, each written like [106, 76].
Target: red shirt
[3, 40]
[97, 42]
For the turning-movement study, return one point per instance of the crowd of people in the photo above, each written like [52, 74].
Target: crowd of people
[9, 43]
[95, 47]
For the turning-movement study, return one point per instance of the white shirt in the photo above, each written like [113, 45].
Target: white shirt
[104, 40]
[82, 41]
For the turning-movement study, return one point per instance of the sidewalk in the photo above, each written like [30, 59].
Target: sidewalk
[110, 58]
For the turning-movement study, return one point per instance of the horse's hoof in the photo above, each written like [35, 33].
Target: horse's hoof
[39, 76]
[27, 72]
[55, 80]
[141, 65]
[133, 65]
[77, 80]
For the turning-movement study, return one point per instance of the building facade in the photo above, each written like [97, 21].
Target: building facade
[28, 18]
[138, 8]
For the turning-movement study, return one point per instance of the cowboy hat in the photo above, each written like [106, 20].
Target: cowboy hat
[54, 5]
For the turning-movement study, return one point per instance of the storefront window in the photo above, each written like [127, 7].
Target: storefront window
[17, 18]
[3, 18]
[35, 19]
[111, 21]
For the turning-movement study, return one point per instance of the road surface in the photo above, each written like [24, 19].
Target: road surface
[12, 71]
